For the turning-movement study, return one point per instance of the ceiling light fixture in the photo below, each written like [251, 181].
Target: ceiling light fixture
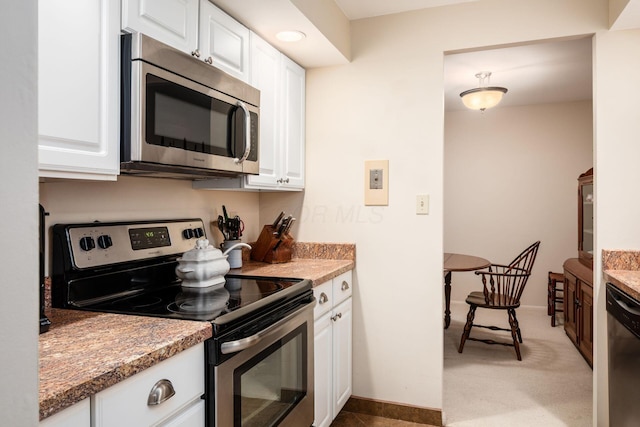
[484, 96]
[290, 36]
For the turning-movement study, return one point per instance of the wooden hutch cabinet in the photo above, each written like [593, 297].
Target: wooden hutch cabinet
[578, 275]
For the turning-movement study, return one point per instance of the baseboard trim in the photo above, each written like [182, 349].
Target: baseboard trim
[396, 411]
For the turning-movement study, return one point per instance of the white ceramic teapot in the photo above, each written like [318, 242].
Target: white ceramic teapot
[204, 265]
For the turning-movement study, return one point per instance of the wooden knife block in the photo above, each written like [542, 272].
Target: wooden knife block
[271, 249]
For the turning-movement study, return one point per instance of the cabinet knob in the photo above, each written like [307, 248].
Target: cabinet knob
[323, 298]
[209, 60]
[336, 317]
[345, 285]
[196, 53]
[161, 391]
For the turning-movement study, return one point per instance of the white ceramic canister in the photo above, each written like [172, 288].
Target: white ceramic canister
[235, 255]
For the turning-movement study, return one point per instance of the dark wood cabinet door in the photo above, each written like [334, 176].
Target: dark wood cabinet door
[585, 322]
[570, 306]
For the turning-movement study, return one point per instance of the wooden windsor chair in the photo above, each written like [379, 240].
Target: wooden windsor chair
[502, 287]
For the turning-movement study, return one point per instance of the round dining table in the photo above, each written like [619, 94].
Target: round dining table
[458, 262]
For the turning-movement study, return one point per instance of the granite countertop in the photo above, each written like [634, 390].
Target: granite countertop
[317, 270]
[86, 352]
[622, 269]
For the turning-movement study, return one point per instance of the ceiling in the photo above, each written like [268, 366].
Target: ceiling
[541, 72]
[358, 9]
[537, 73]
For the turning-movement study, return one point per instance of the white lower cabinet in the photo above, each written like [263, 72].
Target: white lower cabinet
[78, 415]
[333, 327]
[131, 402]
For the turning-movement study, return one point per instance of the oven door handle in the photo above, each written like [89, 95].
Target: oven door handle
[244, 343]
[247, 134]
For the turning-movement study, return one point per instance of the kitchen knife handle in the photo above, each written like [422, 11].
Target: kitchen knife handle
[275, 223]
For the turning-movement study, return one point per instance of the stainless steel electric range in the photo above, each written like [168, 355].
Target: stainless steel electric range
[259, 362]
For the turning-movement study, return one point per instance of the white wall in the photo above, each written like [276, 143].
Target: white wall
[19, 215]
[510, 178]
[388, 104]
[137, 198]
[616, 174]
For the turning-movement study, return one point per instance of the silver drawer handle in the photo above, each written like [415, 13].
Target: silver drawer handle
[323, 298]
[336, 317]
[161, 391]
[196, 53]
[209, 60]
[345, 285]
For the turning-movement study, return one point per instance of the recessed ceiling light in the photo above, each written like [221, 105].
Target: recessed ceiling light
[290, 36]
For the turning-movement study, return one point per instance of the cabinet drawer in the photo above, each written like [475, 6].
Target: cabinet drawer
[126, 402]
[324, 298]
[342, 287]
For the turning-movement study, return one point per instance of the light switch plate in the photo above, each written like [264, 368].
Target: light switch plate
[422, 204]
[376, 182]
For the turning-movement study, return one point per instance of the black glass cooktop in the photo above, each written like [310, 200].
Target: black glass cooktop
[176, 301]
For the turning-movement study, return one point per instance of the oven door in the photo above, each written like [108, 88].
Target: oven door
[179, 122]
[269, 379]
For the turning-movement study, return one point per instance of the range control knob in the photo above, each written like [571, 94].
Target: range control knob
[105, 241]
[188, 233]
[198, 232]
[87, 243]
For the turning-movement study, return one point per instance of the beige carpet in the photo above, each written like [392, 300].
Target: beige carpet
[487, 386]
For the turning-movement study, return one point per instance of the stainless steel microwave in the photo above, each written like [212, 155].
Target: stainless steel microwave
[183, 118]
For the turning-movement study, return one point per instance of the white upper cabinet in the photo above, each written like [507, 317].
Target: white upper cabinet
[224, 42]
[282, 123]
[293, 124]
[78, 89]
[265, 76]
[196, 27]
[173, 22]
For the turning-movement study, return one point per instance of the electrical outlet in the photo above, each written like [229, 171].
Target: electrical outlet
[422, 204]
[376, 182]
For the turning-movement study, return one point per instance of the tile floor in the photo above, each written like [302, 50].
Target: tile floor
[351, 419]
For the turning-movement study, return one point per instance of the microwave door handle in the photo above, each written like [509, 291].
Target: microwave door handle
[247, 134]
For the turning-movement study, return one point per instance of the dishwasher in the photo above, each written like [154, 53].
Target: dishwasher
[623, 331]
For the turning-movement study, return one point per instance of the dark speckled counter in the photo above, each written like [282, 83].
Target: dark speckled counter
[317, 270]
[85, 352]
[622, 269]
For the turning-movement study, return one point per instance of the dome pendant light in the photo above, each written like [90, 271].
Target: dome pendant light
[483, 96]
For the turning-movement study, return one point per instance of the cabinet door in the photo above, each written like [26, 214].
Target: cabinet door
[78, 415]
[78, 88]
[585, 335]
[293, 124]
[224, 42]
[265, 76]
[323, 354]
[173, 22]
[569, 305]
[342, 354]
